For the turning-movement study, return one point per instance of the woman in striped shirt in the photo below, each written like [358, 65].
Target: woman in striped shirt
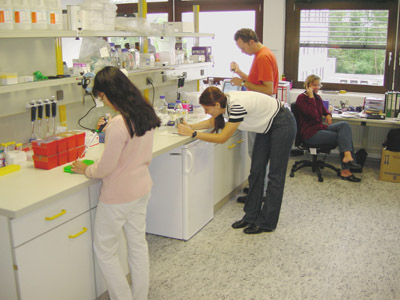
[276, 129]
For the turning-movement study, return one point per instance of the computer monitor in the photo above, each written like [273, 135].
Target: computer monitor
[228, 87]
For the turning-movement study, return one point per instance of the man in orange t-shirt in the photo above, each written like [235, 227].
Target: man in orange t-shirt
[263, 76]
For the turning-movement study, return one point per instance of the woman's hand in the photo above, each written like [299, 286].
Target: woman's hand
[310, 92]
[103, 120]
[328, 119]
[78, 167]
[184, 129]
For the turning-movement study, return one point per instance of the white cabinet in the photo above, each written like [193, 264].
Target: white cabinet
[231, 165]
[58, 264]
[51, 251]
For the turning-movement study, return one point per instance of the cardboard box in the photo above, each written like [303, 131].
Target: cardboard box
[390, 166]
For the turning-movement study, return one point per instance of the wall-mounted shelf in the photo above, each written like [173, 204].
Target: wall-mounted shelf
[71, 80]
[91, 33]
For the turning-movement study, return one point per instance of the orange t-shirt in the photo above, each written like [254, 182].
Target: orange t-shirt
[264, 68]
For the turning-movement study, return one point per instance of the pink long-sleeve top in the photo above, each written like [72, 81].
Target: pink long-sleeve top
[310, 115]
[124, 165]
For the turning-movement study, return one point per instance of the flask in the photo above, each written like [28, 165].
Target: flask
[22, 15]
[38, 14]
[6, 15]
[54, 14]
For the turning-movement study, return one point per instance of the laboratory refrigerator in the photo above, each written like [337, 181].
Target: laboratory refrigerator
[181, 201]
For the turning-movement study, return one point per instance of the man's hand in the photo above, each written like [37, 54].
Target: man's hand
[236, 81]
[234, 67]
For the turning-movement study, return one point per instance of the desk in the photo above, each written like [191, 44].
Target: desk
[365, 124]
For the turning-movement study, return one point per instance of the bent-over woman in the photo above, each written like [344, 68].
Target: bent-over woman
[276, 129]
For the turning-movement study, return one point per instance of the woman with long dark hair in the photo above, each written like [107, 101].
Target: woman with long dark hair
[275, 127]
[126, 186]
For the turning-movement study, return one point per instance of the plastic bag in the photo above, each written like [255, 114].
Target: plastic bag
[95, 52]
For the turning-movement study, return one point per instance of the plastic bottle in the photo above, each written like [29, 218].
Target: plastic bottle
[38, 14]
[178, 112]
[6, 15]
[54, 14]
[163, 105]
[22, 15]
[124, 59]
[185, 110]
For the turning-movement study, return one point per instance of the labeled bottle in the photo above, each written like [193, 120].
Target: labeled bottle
[124, 59]
[38, 14]
[54, 14]
[22, 15]
[178, 112]
[163, 105]
[6, 15]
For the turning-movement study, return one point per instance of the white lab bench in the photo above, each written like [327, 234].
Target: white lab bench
[46, 219]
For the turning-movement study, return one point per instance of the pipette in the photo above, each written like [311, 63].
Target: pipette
[40, 115]
[47, 113]
[95, 134]
[33, 118]
[53, 113]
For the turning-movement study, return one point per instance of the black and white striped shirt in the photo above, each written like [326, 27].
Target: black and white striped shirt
[254, 111]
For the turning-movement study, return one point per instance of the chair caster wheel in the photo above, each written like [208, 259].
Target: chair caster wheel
[320, 179]
[291, 174]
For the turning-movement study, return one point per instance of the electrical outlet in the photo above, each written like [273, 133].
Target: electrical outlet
[60, 95]
[149, 80]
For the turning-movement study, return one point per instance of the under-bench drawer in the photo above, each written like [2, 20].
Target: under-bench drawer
[46, 218]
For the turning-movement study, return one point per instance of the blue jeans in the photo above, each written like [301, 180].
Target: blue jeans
[273, 147]
[251, 138]
[336, 134]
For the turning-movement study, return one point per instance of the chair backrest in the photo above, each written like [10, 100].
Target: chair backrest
[298, 139]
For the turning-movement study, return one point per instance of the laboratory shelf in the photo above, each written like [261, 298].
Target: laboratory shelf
[37, 84]
[90, 33]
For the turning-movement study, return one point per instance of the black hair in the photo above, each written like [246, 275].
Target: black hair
[210, 97]
[138, 114]
[246, 34]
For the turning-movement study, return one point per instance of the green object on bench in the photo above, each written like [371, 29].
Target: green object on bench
[89, 162]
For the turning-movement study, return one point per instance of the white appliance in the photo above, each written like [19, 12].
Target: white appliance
[181, 200]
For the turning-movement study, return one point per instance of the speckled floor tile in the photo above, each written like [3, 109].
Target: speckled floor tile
[335, 240]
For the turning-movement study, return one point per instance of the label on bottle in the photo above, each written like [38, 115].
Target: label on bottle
[22, 16]
[6, 16]
[55, 18]
[39, 17]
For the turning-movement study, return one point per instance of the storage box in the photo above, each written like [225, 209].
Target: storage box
[390, 166]
[206, 51]
[72, 154]
[45, 162]
[44, 147]
[62, 158]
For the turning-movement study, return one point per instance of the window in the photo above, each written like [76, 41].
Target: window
[349, 45]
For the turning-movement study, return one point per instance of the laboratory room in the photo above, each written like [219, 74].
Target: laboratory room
[179, 149]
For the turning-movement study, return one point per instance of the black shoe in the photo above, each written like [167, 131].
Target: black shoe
[240, 224]
[352, 165]
[241, 199]
[351, 178]
[254, 229]
[246, 190]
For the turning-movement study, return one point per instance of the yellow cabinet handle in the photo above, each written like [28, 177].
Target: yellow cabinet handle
[241, 141]
[72, 236]
[232, 146]
[63, 212]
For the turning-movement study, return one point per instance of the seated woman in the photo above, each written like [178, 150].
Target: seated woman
[275, 127]
[313, 131]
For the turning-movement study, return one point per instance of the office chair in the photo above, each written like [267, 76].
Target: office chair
[315, 164]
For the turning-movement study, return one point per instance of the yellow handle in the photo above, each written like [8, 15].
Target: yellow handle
[241, 141]
[72, 236]
[63, 212]
[232, 146]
